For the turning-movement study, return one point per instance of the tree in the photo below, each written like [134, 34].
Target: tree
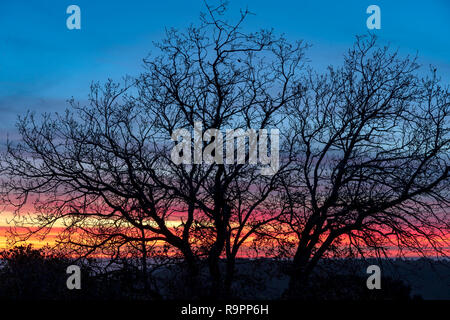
[371, 141]
[105, 170]
[364, 158]
[223, 78]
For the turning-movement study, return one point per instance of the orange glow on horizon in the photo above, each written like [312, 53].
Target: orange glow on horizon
[245, 251]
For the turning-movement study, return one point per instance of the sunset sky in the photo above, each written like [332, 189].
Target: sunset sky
[42, 63]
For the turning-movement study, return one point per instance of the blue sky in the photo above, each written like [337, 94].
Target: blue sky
[42, 63]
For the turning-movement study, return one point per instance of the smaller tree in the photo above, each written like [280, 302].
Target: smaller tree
[372, 146]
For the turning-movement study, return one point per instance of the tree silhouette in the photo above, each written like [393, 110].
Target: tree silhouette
[371, 170]
[364, 158]
[105, 169]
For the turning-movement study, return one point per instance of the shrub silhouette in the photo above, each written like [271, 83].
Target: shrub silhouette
[27, 273]
[30, 273]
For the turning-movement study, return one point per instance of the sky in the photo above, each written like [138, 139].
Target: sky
[43, 63]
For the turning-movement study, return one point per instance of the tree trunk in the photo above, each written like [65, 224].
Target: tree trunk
[229, 276]
[299, 275]
[214, 267]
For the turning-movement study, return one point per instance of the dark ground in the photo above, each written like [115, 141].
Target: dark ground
[31, 276]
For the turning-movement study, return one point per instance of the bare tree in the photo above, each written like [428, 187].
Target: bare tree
[107, 168]
[223, 78]
[371, 171]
